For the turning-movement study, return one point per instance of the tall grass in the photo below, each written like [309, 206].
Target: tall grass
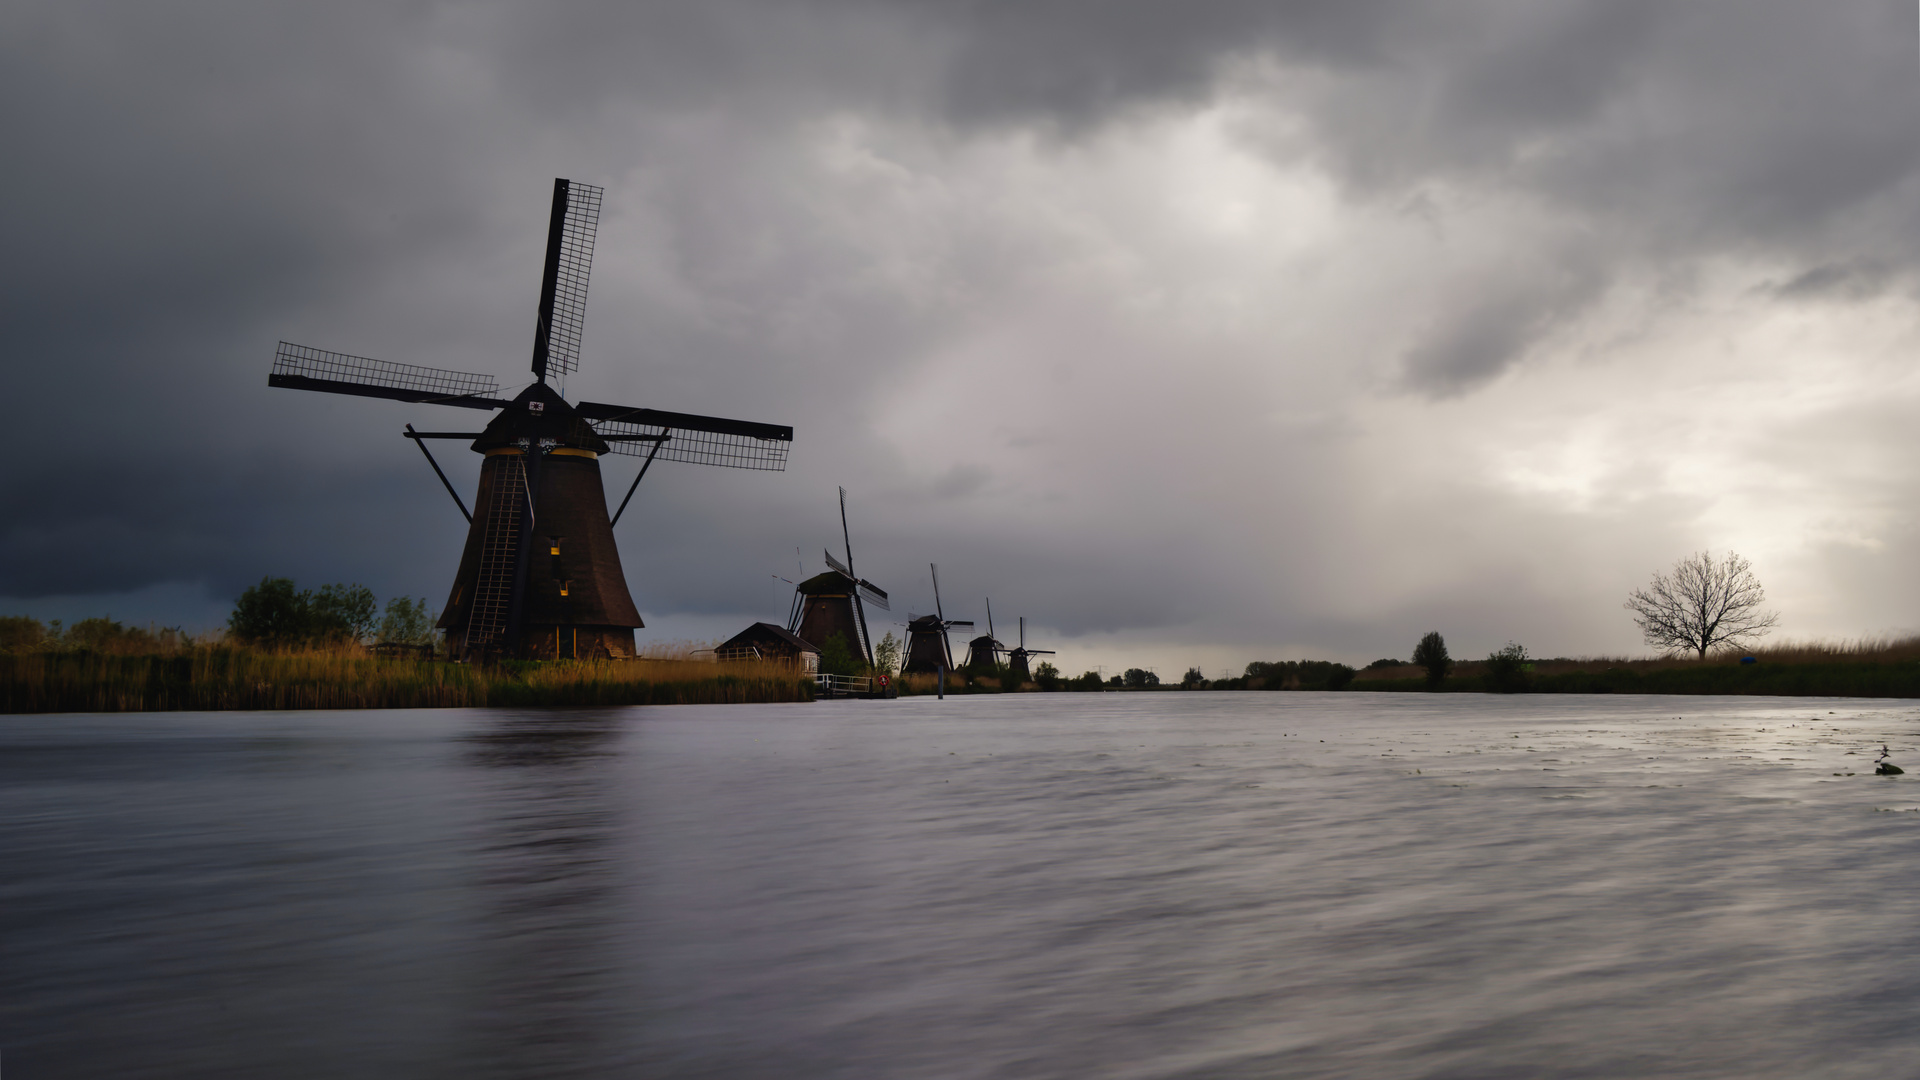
[220, 677]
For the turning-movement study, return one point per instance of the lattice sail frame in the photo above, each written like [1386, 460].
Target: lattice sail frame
[319, 364]
[570, 280]
[697, 447]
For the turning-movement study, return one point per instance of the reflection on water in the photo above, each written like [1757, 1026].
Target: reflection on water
[544, 874]
[1169, 885]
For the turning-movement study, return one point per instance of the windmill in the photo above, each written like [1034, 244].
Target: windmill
[1017, 659]
[540, 575]
[835, 602]
[983, 652]
[928, 647]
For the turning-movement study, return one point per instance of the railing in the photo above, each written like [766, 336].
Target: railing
[843, 685]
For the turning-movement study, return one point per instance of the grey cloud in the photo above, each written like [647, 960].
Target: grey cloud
[193, 182]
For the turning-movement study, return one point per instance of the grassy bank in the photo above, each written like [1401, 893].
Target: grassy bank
[229, 678]
[1873, 668]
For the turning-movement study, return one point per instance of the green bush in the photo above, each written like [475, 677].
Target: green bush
[1507, 668]
[20, 634]
[406, 622]
[837, 658]
[1295, 675]
[273, 614]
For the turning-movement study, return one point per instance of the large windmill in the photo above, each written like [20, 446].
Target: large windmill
[984, 652]
[835, 602]
[1017, 659]
[928, 646]
[540, 575]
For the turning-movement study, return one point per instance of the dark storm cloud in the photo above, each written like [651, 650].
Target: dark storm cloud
[189, 183]
[1670, 131]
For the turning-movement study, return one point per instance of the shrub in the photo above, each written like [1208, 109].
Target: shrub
[1297, 675]
[1507, 669]
[837, 658]
[20, 634]
[406, 622]
[273, 614]
[342, 612]
[1046, 676]
[1141, 678]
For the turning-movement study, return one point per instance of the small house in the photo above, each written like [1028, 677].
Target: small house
[765, 641]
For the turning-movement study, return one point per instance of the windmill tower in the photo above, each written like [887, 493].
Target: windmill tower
[835, 602]
[928, 646]
[1017, 659]
[540, 575]
[984, 652]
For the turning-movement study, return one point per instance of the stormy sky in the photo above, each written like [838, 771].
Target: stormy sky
[1197, 333]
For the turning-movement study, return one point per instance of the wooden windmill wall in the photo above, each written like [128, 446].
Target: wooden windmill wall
[927, 649]
[828, 604]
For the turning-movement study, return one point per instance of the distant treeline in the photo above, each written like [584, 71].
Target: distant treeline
[1789, 678]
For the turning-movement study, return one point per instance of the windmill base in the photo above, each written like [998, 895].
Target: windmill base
[567, 643]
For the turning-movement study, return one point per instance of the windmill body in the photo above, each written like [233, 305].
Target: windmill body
[927, 648]
[574, 599]
[835, 602]
[984, 652]
[929, 644]
[540, 575]
[1017, 659]
[828, 604]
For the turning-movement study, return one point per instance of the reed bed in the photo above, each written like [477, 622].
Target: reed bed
[220, 677]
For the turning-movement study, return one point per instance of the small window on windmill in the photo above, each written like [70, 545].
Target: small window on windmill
[566, 587]
[536, 406]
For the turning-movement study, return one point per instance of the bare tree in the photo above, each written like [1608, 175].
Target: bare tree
[1702, 605]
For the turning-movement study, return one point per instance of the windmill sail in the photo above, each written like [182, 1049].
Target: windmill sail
[700, 440]
[563, 284]
[298, 367]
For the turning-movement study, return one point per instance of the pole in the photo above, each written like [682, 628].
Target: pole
[636, 480]
[422, 444]
[845, 535]
[943, 684]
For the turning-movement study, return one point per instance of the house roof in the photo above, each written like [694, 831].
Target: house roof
[764, 631]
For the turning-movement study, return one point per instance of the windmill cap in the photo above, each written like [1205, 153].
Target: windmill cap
[539, 412]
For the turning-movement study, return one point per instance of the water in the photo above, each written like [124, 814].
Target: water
[1128, 886]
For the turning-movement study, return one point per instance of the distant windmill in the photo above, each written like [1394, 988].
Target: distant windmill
[928, 646]
[835, 602]
[1017, 660]
[984, 652]
[540, 575]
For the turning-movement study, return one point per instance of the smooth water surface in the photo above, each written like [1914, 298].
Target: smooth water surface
[1108, 885]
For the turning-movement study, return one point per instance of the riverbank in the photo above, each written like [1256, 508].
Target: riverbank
[1872, 668]
[1781, 680]
[219, 678]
